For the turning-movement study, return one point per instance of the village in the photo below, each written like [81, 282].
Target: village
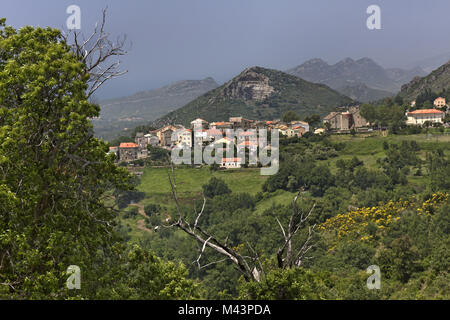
[203, 133]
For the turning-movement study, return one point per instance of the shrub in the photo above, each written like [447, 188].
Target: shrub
[131, 213]
[151, 208]
[215, 187]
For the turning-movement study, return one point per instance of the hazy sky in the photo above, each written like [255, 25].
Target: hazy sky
[193, 39]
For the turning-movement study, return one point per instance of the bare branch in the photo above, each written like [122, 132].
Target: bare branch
[288, 260]
[95, 51]
[205, 238]
[249, 265]
[201, 212]
[201, 252]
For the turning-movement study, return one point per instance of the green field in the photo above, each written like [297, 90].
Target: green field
[155, 183]
[190, 180]
[370, 148]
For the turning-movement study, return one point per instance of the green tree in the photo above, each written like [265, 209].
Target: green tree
[56, 178]
[215, 187]
[288, 284]
[400, 261]
[369, 113]
[313, 120]
[152, 208]
[290, 116]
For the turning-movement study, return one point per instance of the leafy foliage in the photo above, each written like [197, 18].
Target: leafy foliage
[57, 181]
[215, 187]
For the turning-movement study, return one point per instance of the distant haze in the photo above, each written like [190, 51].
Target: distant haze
[195, 39]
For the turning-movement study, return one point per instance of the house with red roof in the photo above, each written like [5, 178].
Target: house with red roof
[212, 134]
[128, 151]
[248, 144]
[183, 137]
[230, 163]
[241, 123]
[420, 116]
[198, 124]
[221, 125]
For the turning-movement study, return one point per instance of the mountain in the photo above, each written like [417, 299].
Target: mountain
[259, 93]
[363, 93]
[348, 75]
[431, 63]
[436, 81]
[402, 76]
[119, 114]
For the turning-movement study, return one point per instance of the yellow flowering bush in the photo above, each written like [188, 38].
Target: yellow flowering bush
[430, 205]
[355, 223]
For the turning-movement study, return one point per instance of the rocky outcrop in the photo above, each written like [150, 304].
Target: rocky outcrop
[249, 85]
[260, 94]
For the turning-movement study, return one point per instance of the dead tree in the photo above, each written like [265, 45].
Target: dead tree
[97, 52]
[250, 266]
[286, 257]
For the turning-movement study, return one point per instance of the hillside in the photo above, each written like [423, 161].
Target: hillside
[259, 93]
[349, 73]
[436, 81]
[430, 63]
[128, 112]
[250, 211]
[363, 93]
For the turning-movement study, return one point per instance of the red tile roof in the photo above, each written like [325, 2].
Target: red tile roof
[214, 132]
[425, 111]
[231, 160]
[128, 145]
[247, 133]
[248, 143]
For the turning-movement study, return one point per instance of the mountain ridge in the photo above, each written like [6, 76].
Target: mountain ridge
[141, 107]
[258, 93]
[437, 81]
[349, 73]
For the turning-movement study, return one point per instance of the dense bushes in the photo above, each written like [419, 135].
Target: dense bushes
[131, 213]
[215, 187]
[410, 248]
[128, 197]
[293, 176]
[151, 208]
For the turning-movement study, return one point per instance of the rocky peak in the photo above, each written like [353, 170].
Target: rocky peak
[346, 61]
[316, 62]
[251, 84]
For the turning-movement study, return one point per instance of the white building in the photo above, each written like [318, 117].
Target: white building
[183, 137]
[231, 163]
[419, 117]
[199, 124]
[439, 102]
[302, 124]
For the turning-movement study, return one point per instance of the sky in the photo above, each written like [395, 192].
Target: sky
[174, 40]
